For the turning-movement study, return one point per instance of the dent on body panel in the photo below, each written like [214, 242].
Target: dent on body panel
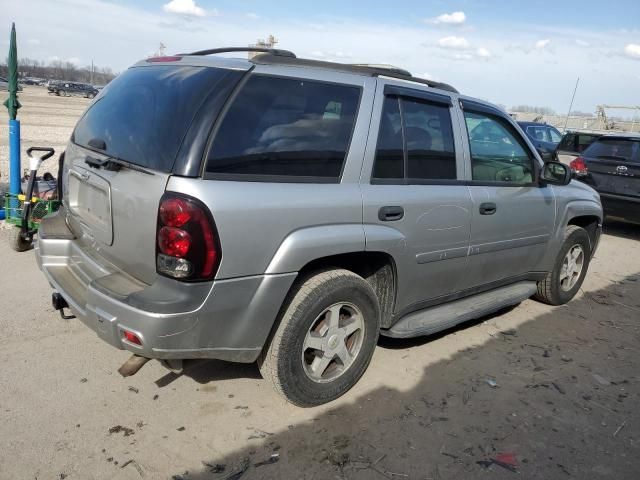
[445, 229]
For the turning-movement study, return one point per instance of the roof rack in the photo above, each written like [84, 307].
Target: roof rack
[277, 56]
[268, 58]
[384, 66]
[272, 51]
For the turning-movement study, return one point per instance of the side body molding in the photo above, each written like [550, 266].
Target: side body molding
[307, 244]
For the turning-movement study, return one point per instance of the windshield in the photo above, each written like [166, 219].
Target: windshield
[143, 114]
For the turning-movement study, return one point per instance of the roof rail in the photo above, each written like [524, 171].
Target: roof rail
[369, 70]
[384, 66]
[273, 51]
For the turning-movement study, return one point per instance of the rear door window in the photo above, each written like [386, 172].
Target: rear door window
[420, 132]
[144, 113]
[285, 129]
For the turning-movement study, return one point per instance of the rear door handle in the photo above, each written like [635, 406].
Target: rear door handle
[390, 214]
[488, 208]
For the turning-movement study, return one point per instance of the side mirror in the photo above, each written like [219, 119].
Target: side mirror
[556, 173]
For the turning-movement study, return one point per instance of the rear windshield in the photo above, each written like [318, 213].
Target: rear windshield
[615, 149]
[292, 129]
[144, 113]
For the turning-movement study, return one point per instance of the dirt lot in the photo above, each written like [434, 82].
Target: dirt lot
[556, 387]
[45, 121]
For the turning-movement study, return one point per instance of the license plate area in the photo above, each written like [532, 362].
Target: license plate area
[89, 200]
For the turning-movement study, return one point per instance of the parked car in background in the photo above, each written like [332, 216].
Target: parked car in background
[611, 165]
[544, 137]
[68, 89]
[330, 204]
[573, 143]
[4, 85]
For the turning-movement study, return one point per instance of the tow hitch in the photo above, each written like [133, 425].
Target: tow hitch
[59, 303]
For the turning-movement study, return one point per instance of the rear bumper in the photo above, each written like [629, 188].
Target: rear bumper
[225, 319]
[620, 206]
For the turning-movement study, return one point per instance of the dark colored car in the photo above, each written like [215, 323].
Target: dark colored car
[611, 165]
[68, 89]
[544, 137]
[573, 144]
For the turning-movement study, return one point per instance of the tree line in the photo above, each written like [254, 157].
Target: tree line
[61, 70]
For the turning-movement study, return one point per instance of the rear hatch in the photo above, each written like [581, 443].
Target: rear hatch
[613, 164]
[123, 151]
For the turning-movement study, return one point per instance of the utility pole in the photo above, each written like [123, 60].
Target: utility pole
[571, 104]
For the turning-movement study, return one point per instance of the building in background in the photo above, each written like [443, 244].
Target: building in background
[270, 42]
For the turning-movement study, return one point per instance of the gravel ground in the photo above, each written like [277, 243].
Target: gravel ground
[555, 389]
[567, 386]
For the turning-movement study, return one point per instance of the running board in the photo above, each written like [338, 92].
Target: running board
[436, 319]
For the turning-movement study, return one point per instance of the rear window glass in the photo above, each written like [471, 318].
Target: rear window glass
[144, 113]
[615, 149]
[284, 127]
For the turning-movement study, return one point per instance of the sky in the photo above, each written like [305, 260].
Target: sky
[509, 52]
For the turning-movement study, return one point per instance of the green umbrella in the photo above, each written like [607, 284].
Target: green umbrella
[12, 102]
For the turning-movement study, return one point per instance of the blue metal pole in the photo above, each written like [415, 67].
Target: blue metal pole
[14, 156]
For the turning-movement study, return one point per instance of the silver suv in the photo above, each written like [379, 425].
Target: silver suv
[289, 211]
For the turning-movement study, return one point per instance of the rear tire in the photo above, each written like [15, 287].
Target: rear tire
[325, 338]
[62, 93]
[16, 241]
[570, 268]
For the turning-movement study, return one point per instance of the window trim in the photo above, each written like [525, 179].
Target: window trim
[439, 100]
[240, 177]
[478, 108]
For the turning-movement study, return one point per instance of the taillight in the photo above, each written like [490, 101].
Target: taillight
[187, 246]
[579, 167]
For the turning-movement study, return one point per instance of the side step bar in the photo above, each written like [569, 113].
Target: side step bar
[436, 319]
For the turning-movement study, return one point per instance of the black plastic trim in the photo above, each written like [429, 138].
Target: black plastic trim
[394, 90]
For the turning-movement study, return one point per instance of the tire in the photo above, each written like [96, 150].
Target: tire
[62, 93]
[288, 362]
[555, 289]
[16, 241]
[91, 95]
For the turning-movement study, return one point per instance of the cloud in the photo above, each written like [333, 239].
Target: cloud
[632, 50]
[455, 18]
[542, 44]
[462, 56]
[33, 41]
[428, 76]
[582, 43]
[483, 53]
[457, 43]
[184, 7]
[252, 15]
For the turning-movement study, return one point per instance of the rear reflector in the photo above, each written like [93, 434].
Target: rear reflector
[164, 59]
[131, 337]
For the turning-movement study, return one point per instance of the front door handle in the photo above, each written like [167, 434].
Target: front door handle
[488, 208]
[390, 214]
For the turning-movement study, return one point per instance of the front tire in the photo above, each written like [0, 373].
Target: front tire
[566, 278]
[16, 242]
[325, 338]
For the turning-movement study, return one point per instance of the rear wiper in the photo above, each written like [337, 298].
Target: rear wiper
[115, 164]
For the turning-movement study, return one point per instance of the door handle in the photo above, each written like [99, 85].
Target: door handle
[390, 214]
[488, 208]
